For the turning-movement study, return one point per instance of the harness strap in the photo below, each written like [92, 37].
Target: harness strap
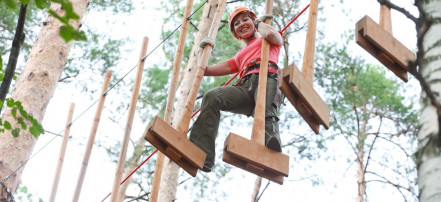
[252, 65]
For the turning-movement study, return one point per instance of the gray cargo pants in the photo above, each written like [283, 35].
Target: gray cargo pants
[238, 99]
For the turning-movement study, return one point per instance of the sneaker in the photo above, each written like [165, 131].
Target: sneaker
[274, 144]
[207, 167]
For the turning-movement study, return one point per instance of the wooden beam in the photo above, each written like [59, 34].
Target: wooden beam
[304, 98]
[177, 138]
[171, 96]
[309, 52]
[255, 158]
[89, 146]
[62, 153]
[130, 117]
[176, 146]
[384, 47]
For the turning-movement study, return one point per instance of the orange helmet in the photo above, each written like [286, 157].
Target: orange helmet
[235, 13]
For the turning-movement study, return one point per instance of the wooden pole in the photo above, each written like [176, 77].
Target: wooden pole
[308, 56]
[258, 131]
[92, 135]
[385, 18]
[171, 95]
[62, 153]
[184, 120]
[128, 129]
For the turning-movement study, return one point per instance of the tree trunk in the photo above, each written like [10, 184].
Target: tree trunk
[131, 165]
[170, 171]
[19, 37]
[256, 189]
[35, 88]
[361, 173]
[429, 137]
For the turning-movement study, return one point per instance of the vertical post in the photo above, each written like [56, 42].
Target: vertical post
[171, 95]
[258, 131]
[184, 120]
[128, 129]
[62, 153]
[385, 18]
[308, 56]
[96, 121]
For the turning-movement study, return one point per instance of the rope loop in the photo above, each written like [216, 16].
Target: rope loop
[265, 17]
[206, 41]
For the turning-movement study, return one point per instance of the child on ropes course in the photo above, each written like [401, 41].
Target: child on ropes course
[240, 98]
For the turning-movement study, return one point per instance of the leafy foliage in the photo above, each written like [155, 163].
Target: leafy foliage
[22, 118]
[67, 32]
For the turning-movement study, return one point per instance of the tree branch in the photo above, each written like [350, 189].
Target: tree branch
[399, 9]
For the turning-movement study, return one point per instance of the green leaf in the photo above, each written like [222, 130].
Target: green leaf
[69, 11]
[11, 4]
[55, 15]
[66, 32]
[7, 125]
[14, 112]
[34, 131]
[41, 3]
[10, 102]
[16, 132]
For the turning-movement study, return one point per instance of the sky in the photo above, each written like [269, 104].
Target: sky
[146, 21]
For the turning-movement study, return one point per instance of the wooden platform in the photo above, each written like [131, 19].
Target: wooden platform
[175, 146]
[255, 158]
[384, 47]
[304, 98]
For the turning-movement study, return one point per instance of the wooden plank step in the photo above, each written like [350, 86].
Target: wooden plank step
[255, 158]
[304, 98]
[383, 46]
[175, 146]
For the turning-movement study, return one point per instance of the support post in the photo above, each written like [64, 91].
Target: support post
[128, 128]
[171, 96]
[62, 153]
[258, 131]
[96, 121]
[385, 18]
[308, 56]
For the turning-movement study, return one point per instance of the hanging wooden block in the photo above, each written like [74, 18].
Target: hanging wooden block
[384, 47]
[255, 158]
[175, 146]
[304, 98]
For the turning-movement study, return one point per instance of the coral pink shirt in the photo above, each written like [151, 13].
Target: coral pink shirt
[250, 53]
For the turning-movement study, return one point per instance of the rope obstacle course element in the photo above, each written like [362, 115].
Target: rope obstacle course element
[377, 39]
[298, 86]
[173, 142]
[197, 111]
[171, 96]
[252, 155]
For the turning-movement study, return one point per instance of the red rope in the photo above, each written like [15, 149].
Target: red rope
[133, 172]
[294, 19]
[225, 84]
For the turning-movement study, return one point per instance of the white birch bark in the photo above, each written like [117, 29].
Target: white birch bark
[170, 171]
[429, 148]
[34, 88]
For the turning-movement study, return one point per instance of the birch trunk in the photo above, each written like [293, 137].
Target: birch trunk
[429, 146]
[170, 171]
[34, 88]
